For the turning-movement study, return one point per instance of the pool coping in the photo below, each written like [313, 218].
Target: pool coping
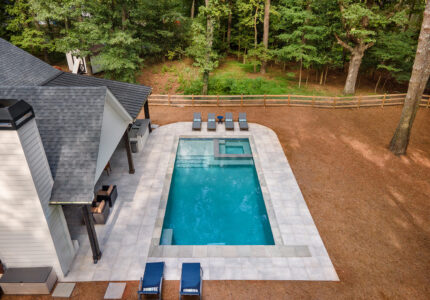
[232, 251]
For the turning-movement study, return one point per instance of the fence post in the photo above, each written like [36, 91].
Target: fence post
[313, 101]
[289, 104]
[264, 100]
[192, 99]
[359, 101]
[169, 99]
[428, 101]
[217, 100]
[334, 102]
[241, 100]
[383, 99]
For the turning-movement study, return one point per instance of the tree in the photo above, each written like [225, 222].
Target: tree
[301, 34]
[203, 32]
[417, 83]
[265, 33]
[27, 31]
[359, 22]
[250, 13]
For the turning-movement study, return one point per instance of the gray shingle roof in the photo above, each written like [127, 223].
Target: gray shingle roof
[131, 96]
[69, 120]
[18, 67]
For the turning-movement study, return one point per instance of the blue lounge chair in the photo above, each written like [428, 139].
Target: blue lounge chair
[191, 280]
[152, 281]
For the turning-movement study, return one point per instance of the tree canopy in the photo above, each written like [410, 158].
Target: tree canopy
[376, 37]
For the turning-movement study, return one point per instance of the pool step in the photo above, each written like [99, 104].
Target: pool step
[194, 161]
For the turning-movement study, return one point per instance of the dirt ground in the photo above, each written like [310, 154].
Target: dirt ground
[371, 208]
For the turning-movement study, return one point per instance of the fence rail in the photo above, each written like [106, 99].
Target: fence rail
[284, 100]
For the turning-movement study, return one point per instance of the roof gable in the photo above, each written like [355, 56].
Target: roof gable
[69, 120]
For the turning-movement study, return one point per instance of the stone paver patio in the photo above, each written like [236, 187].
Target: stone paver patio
[129, 239]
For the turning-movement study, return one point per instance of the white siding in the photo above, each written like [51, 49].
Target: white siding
[113, 128]
[31, 231]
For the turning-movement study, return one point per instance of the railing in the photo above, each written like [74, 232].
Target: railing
[284, 100]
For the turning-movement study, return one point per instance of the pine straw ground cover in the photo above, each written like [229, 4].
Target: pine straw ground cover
[371, 208]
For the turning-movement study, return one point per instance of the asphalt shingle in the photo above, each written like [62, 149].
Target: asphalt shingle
[131, 96]
[69, 120]
[18, 67]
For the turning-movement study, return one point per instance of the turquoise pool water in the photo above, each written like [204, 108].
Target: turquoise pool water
[215, 200]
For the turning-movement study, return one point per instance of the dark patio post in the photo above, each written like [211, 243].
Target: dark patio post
[92, 235]
[128, 150]
[146, 110]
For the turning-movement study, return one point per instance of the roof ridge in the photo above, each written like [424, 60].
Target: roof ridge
[51, 78]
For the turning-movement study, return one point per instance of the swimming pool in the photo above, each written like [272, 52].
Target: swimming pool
[215, 196]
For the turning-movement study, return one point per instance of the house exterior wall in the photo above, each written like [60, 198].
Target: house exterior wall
[32, 233]
[113, 128]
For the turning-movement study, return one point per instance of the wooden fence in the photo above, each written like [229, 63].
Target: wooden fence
[284, 100]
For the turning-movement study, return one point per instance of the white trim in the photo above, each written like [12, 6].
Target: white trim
[120, 109]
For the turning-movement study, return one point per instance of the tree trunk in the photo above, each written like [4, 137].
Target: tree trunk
[265, 34]
[88, 64]
[322, 77]
[307, 76]
[209, 40]
[230, 16]
[255, 28]
[300, 73]
[326, 73]
[192, 9]
[123, 17]
[377, 83]
[354, 66]
[205, 82]
[417, 83]
[66, 24]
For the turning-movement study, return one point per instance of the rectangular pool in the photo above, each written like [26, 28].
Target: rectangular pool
[215, 196]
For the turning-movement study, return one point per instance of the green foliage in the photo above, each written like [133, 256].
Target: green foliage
[229, 84]
[303, 34]
[301, 31]
[199, 48]
[120, 57]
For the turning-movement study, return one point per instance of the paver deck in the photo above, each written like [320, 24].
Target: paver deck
[129, 238]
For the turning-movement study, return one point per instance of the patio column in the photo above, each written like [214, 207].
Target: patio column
[92, 235]
[146, 110]
[128, 150]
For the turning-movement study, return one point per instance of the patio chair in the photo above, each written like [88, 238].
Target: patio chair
[229, 124]
[152, 281]
[243, 123]
[211, 121]
[197, 121]
[191, 280]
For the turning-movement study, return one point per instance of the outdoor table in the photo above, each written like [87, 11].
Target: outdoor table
[220, 119]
